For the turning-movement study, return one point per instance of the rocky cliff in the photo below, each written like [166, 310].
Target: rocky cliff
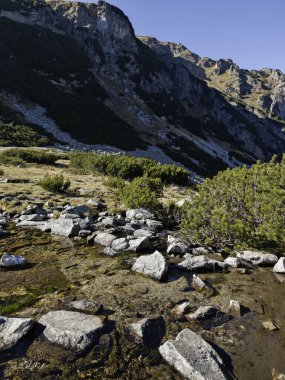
[79, 69]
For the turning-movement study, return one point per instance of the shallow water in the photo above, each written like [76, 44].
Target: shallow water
[63, 270]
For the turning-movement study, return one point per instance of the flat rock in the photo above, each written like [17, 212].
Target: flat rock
[70, 329]
[64, 227]
[12, 330]
[10, 261]
[154, 265]
[105, 239]
[258, 258]
[279, 267]
[269, 325]
[148, 331]
[193, 357]
[201, 263]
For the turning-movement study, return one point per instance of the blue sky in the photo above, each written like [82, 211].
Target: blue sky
[251, 32]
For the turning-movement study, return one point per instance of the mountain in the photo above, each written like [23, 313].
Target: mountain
[78, 73]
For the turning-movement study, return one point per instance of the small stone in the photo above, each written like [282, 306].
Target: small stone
[179, 311]
[235, 308]
[148, 331]
[269, 325]
[10, 261]
[279, 267]
[203, 312]
[233, 262]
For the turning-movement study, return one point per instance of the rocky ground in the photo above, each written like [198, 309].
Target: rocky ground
[88, 291]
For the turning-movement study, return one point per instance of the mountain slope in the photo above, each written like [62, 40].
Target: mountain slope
[79, 68]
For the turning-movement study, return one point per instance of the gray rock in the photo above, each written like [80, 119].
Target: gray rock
[37, 225]
[193, 357]
[10, 261]
[139, 244]
[235, 308]
[70, 329]
[203, 312]
[233, 262]
[148, 331]
[121, 244]
[279, 267]
[84, 233]
[201, 263]
[177, 248]
[105, 239]
[269, 325]
[154, 224]
[32, 218]
[143, 233]
[200, 251]
[96, 204]
[64, 227]
[12, 330]
[154, 265]
[258, 258]
[85, 305]
[198, 283]
[179, 311]
[139, 214]
[80, 210]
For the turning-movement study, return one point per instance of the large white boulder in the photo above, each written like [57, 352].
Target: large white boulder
[154, 265]
[12, 330]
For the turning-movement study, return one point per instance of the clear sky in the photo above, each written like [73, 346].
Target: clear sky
[250, 32]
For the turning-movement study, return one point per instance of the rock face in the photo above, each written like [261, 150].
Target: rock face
[258, 258]
[154, 265]
[71, 329]
[279, 267]
[148, 331]
[12, 330]
[193, 357]
[163, 85]
[10, 261]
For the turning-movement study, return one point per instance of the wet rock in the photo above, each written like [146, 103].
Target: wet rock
[179, 311]
[235, 308]
[154, 265]
[148, 331]
[202, 312]
[279, 267]
[139, 214]
[80, 210]
[11, 261]
[233, 262]
[258, 258]
[177, 248]
[105, 239]
[85, 305]
[70, 329]
[193, 357]
[201, 263]
[12, 330]
[269, 325]
[64, 227]
[139, 244]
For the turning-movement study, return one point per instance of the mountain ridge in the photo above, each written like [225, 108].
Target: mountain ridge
[159, 96]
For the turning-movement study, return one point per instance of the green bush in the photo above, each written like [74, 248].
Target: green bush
[142, 192]
[12, 134]
[54, 183]
[127, 167]
[20, 156]
[239, 207]
[114, 183]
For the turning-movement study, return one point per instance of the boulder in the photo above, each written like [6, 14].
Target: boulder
[71, 329]
[121, 244]
[279, 267]
[139, 244]
[154, 265]
[201, 263]
[177, 248]
[143, 233]
[233, 262]
[12, 330]
[80, 210]
[203, 312]
[148, 331]
[139, 214]
[258, 258]
[64, 227]
[193, 357]
[11, 261]
[105, 239]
